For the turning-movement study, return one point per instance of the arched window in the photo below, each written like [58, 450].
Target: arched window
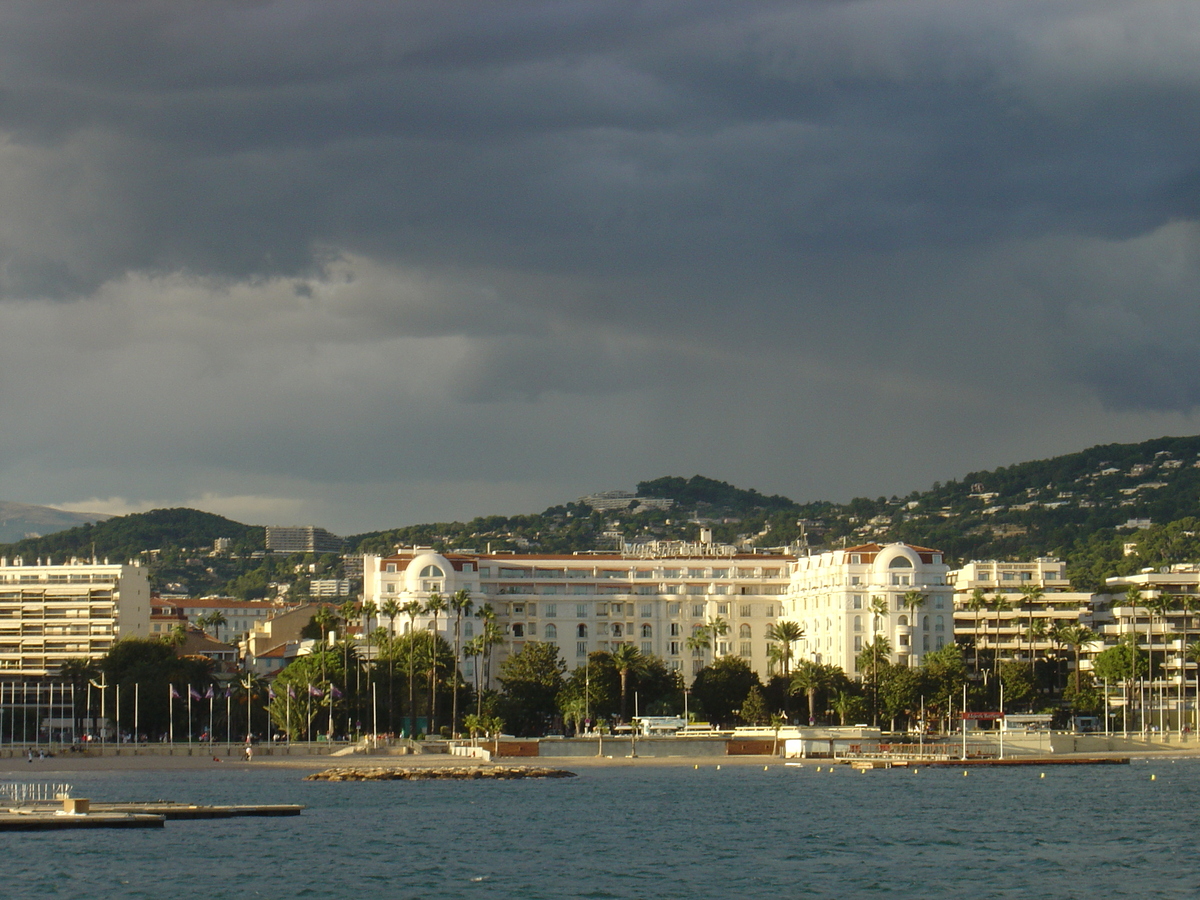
[432, 572]
[551, 632]
[900, 562]
[925, 623]
[581, 631]
[647, 631]
[744, 630]
[903, 620]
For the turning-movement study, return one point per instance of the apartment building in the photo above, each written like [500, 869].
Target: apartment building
[830, 594]
[301, 539]
[1024, 602]
[52, 613]
[653, 596]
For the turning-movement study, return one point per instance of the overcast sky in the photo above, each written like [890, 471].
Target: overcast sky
[364, 264]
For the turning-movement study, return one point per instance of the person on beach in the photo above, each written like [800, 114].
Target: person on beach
[249, 753]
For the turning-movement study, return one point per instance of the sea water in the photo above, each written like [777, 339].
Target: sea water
[632, 832]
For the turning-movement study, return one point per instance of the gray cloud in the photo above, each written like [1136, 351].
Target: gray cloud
[336, 257]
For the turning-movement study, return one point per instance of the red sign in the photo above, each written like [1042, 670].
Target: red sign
[983, 715]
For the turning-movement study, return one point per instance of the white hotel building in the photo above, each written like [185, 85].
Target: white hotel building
[830, 596]
[657, 596]
[653, 597]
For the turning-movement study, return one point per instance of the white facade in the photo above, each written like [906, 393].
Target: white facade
[831, 596]
[49, 614]
[589, 602]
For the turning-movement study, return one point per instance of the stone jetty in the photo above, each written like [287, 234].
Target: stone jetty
[426, 773]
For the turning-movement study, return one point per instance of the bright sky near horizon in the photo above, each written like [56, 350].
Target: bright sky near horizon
[363, 264]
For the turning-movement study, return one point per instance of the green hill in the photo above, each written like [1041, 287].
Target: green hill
[125, 537]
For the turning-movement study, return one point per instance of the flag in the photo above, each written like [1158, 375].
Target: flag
[292, 691]
[174, 693]
[314, 691]
[193, 693]
[209, 694]
[333, 690]
[270, 693]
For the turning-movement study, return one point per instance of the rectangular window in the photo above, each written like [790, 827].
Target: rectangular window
[644, 573]
[744, 649]
[856, 602]
[531, 629]
[858, 643]
[720, 573]
[722, 609]
[670, 573]
[744, 610]
[468, 629]
[673, 609]
[720, 589]
[391, 567]
[581, 610]
[723, 648]
[647, 590]
[581, 648]
[697, 610]
[647, 648]
[695, 573]
[675, 629]
[618, 609]
[695, 589]
[670, 589]
[533, 609]
[647, 610]
[550, 610]
[485, 571]
[770, 611]
[673, 648]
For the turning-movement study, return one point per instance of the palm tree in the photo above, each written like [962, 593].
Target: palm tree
[869, 659]
[474, 649]
[433, 606]
[391, 609]
[786, 633]
[627, 658]
[412, 609]
[1031, 595]
[976, 604]
[718, 628]
[460, 605]
[1133, 598]
[1076, 637]
[325, 619]
[809, 678]
[1000, 604]
[1160, 605]
[913, 601]
[217, 620]
[698, 640]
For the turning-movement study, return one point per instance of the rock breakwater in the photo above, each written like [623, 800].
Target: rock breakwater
[426, 773]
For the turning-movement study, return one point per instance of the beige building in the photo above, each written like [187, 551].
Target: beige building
[653, 596]
[1024, 602]
[52, 613]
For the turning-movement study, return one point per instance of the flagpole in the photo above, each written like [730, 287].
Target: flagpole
[171, 710]
[137, 720]
[189, 718]
[228, 716]
[117, 701]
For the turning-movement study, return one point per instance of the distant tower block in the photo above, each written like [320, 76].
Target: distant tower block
[302, 539]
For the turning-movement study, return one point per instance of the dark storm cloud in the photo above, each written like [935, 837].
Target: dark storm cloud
[443, 220]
